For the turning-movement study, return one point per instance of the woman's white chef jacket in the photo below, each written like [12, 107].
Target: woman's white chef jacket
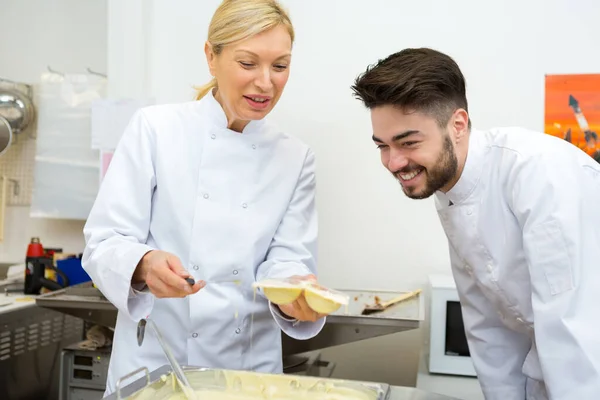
[523, 225]
[233, 207]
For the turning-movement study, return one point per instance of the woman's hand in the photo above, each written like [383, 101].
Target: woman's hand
[300, 309]
[164, 275]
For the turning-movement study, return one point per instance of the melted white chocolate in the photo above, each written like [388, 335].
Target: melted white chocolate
[320, 299]
[244, 385]
[282, 295]
[346, 394]
[323, 301]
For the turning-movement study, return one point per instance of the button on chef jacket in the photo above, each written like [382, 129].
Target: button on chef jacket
[235, 208]
[523, 226]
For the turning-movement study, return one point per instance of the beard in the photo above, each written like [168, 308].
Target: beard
[437, 177]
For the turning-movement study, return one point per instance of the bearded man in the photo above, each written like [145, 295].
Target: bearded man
[521, 211]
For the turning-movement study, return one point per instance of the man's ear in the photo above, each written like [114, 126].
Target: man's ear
[460, 124]
[210, 57]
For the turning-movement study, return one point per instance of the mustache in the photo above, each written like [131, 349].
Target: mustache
[407, 169]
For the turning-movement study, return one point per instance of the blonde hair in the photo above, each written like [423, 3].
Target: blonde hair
[237, 20]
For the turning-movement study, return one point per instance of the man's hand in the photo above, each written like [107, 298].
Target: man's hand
[300, 309]
[164, 275]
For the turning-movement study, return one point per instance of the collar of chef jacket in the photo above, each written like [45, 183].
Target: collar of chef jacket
[219, 119]
[470, 175]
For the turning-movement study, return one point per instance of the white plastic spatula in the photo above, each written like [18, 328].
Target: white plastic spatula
[181, 378]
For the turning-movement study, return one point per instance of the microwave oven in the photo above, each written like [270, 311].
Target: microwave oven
[448, 348]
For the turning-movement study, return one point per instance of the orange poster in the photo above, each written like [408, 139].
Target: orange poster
[572, 110]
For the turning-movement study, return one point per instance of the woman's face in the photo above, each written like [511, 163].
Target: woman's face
[251, 75]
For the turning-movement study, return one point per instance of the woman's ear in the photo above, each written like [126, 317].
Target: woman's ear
[210, 57]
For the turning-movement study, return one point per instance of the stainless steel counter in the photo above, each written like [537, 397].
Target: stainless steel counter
[31, 340]
[88, 303]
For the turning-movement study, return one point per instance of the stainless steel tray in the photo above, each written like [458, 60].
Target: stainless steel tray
[160, 384]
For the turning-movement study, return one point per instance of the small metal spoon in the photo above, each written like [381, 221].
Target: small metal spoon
[177, 370]
[183, 382]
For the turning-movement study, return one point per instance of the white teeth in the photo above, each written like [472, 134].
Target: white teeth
[409, 176]
[259, 100]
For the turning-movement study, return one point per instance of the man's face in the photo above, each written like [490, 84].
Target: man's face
[414, 148]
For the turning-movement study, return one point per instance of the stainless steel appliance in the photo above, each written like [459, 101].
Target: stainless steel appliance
[83, 372]
[448, 348]
[31, 339]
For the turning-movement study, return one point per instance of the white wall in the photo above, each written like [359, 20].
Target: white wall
[69, 36]
[371, 235]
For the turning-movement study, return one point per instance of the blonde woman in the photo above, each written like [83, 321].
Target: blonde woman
[210, 189]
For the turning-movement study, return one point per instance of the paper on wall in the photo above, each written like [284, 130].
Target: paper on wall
[66, 167]
[110, 118]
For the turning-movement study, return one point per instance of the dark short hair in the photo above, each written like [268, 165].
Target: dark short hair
[422, 80]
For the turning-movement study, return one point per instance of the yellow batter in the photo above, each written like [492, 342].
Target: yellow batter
[340, 394]
[244, 385]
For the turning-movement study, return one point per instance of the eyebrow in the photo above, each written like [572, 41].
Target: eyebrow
[399, 136]
[256, 55]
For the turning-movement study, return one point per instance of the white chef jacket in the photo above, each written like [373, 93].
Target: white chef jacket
[233, 207]
[523, 226]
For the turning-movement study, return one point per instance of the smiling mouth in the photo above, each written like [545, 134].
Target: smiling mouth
[409, 176]
[258, 99]
[258, 103]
